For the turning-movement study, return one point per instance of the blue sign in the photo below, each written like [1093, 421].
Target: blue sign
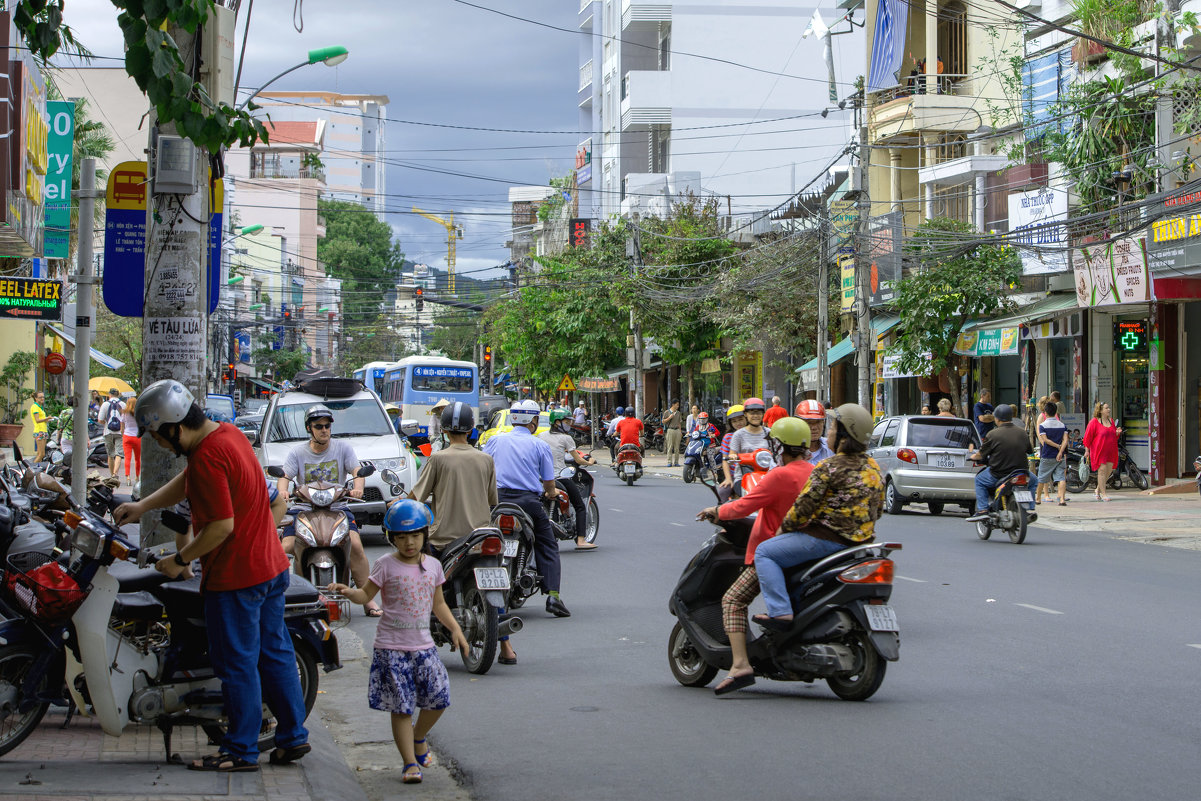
[242, 346]
[444, 372]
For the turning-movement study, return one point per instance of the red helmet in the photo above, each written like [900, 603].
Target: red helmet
[810, 410]
[754, 405]
[703, 416]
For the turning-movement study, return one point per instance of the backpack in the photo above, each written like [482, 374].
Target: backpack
[114, 415]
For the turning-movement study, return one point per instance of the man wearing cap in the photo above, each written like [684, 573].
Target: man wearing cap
[1005, 449]
[580, 416]
[114, 446]
[813, 413]
[435, 425]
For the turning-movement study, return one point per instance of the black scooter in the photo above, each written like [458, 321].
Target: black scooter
[843, 630]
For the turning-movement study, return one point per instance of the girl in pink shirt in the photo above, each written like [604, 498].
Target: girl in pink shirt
[406, 673]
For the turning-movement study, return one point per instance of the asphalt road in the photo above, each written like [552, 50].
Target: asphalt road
[1063, 668]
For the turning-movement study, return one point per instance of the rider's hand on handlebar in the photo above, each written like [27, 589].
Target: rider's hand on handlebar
[709, 513]
[726, 482]
[128, 513]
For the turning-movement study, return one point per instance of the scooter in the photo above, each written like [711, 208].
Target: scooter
[843, 630]
[753, 466]
[562, 513]
[517, 533]
[1007, 510]
[1125, 467]
[321, 552]
[628, 464]
[698, 457]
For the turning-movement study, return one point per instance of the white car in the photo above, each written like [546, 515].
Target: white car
[361, 421]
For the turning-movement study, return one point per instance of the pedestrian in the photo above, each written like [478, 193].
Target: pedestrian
[131, 443]
[245, 574]
[41, 431]
[776, 412]
[944, 407]
[672, 424]
[1052, 463]
[694, 410]
[925, 409]
[1055, 396]
[94, 405]
[110, 418]
[435, 425]
[580, 415]
[406, 672]
[982, 414]
[1101, 447]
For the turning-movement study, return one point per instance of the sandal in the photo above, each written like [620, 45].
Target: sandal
[422, 759]
[732, 683]
[374, 611]
[286, 756]
[411, 778]
[223, 763]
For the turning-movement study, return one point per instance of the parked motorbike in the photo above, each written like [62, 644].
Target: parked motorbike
[1125, 467]
[321, 551]
[1007, 510]
[843, 630]
[562, 513]
[628, 464]
[123, 643]
[700, 458]
[581, 434]
[656, 436]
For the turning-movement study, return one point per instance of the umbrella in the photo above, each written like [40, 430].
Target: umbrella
[103, 383]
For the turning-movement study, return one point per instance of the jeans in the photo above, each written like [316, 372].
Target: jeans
[783, 551]
[546, 547]
[577, 500]
[986, 482]
[252, 654]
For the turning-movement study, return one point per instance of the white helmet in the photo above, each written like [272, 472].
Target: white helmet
[165, 401]
[523, 412]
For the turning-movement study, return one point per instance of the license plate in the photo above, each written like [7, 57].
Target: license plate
[492, 578]
[948, 460]
[880, 617]
[628, 468]
[511, 548]
[1023, 496]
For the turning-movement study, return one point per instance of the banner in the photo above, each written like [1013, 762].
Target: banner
[60, 142]
[31, 299]
[988, 342]
[598, 385]
[846, 266]
[1111, 273]
[1037, 224]
[883, 252]
[748, 374]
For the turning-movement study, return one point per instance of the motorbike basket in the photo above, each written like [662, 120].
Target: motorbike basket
[42, 587]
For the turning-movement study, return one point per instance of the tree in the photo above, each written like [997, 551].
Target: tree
[358, 249]
[955, 277]
[376, 341]
[120, 337]
[456, 333]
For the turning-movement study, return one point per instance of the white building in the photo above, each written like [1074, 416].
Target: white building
[719, 99]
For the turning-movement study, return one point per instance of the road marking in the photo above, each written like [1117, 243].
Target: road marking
[1040, 609]
[915, 581]
[1193, 644]
[681, 525]
[611, 509]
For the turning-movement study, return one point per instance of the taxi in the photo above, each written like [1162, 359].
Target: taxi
[500, 424]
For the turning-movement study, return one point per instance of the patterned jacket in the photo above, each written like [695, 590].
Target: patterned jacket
[841, 502]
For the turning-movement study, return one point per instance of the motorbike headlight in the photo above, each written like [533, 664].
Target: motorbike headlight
[322, 497]
[304, 532]
[87, 542]
[340, 532]
[764, 460]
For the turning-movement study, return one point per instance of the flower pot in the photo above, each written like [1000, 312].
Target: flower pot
[9, 432]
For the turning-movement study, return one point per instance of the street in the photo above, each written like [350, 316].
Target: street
[1051, 669]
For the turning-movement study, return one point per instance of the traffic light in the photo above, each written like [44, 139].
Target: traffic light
[487, 354]
[231, 374]
[419, 296]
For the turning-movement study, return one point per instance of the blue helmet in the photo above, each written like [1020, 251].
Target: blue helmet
[619, 411]
[407, 515]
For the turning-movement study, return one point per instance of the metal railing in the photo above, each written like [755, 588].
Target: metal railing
[948, 84]
[586, 75]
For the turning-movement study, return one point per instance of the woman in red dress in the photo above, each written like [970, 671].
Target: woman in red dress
[1101, 446]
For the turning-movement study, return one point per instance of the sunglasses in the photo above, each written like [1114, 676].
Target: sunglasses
[323, 426]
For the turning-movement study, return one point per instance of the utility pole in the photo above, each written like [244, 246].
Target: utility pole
[84, 310]
[634, 251]
[823, 303]
[175, 311]
[863, 317]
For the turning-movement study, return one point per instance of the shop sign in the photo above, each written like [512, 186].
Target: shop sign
[1174, 240]
[580, 228]
[242, 347]
[58, 178]
[1037, 227]
[23, 169]
[1130, 337]
[883, 252]
[31, 299]
[748, 373]
[1111, 273]
[988, 342]
[583, 162]
[888, 368]
[846, 267]
[1063, 328]
[844, 219]
[598, 385]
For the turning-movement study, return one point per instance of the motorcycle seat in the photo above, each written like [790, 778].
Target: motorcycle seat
[137, 606]
[131, 578]
[300, 591]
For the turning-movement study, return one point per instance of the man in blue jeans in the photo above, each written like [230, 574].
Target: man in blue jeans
[244, 576]
[1005, 448]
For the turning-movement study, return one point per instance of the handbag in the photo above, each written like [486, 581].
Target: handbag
[1084, 470]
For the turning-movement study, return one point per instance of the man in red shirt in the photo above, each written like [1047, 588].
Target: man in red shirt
[630, 429]
[243, 578]
[772, 498]
[775, 413]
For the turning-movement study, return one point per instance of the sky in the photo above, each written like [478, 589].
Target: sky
[442, 64]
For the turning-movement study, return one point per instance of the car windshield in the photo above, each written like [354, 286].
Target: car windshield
[352, 418]
[935, 433]
[220, 403]
[442, 379]
[255, 406]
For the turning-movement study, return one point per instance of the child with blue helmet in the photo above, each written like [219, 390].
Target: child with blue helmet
[406, 673]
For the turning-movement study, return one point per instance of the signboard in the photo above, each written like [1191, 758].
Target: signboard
[1111, 273]
[1130, 336]
[883, 253]
[1174, 240]
[59, 146]
[579, 229]
[583, 162]
[566, 385]
[1037, 227]
[748, 373]
[242, 347]
[988, 342]
[173, 339]
[31, 299]
[23, 167]
[125, 243]
[844, 218]
[598, 385]
[846, 267]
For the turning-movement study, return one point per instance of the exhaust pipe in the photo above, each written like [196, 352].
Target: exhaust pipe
[510, 625]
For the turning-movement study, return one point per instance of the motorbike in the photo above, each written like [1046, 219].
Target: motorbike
[1125, 467]
[1007, 510]
[700, 457]
[97, 630]
[657, 435]
[753, 466]
[321, 551]
[562, 513]
[843, 630]
[582, 434]
[628, 464]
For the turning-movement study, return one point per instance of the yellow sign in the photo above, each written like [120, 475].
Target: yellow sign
[846, 265]
[127, 186]
[748, 374]
[566, 385]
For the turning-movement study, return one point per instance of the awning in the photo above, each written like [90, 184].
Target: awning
[880, 326]
[263, 384]
[244, 370]
[1047, 307]
[103, 358]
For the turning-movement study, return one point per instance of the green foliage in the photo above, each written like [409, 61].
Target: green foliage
[283, 364]
[16, 386]
[954, 279]
[456, 333]
[153, 60]
[549, 208]
[120, 337]
[358, 249]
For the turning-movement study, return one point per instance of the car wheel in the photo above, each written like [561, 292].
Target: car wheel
[892, 499]
[936, 507]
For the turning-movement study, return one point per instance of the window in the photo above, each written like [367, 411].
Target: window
[952, 44]
[665, 48]
[889, 438]
[352, 418]
[442, 379]
[941, 434]
[877, 432]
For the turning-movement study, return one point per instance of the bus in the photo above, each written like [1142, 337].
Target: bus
[416, 383]
[371, 375]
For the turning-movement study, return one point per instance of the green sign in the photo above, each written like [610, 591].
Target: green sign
[59, 144]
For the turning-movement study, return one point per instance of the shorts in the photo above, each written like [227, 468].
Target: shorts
[113, 444]
[403, 681]
[41, 435]
[1051, 470]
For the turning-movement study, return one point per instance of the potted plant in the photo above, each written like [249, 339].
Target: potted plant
[14, 392]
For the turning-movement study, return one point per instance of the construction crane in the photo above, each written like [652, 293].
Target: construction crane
[453, 232]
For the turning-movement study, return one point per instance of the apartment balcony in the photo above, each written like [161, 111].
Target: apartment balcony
[645, 99]
[586, 15]
[961, 170]
[897, 113]
[284, 172]
[585, 93]
[644, 14]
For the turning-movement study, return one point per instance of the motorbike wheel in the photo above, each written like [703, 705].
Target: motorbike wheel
[689, 473]
[480, 622]
[661, 444]
[1017, 534]
[15, 726]
[862, 684]
[630, 480]
[592, 528]
[686, 663]
[306, 666]
[1074, 482]
[1136, 476]
[983, 530]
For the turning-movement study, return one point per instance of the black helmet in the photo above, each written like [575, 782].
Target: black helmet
[458, 418]
[629, 411]
[1003, 413]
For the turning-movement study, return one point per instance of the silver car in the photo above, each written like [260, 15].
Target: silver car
[924, 460]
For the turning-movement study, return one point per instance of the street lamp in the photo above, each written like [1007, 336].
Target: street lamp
[329, 56]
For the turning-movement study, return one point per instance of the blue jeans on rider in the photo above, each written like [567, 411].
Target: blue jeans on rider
[986, 482]
[251, 652]
[775, 555]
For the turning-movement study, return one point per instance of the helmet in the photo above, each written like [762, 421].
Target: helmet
[523, 412]
[1003, 413]
[629, 411]
[406, 515]
[165, 401]
[702, 416]
[316, 413]
[790, 431]
[557, 415]
[754, 405]
[458, 418]
[619, 411]
[855, 419]
[810, 410]
[735, 411]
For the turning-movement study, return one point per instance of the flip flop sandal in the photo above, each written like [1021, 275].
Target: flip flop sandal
[733, 683]
[375, 612]
[588, 547]
[411, 778]
[223, 763]
[506, 660]
[286, 756]
[423, 759]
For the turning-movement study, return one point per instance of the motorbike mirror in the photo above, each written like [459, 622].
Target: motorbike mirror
[410, 428]
[56, 456]
[709, 479]
[275, 471]
[389, 476]
[365, 469]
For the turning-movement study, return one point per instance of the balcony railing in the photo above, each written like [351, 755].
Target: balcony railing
[586, 75]
[948, 84]
[276, 171]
